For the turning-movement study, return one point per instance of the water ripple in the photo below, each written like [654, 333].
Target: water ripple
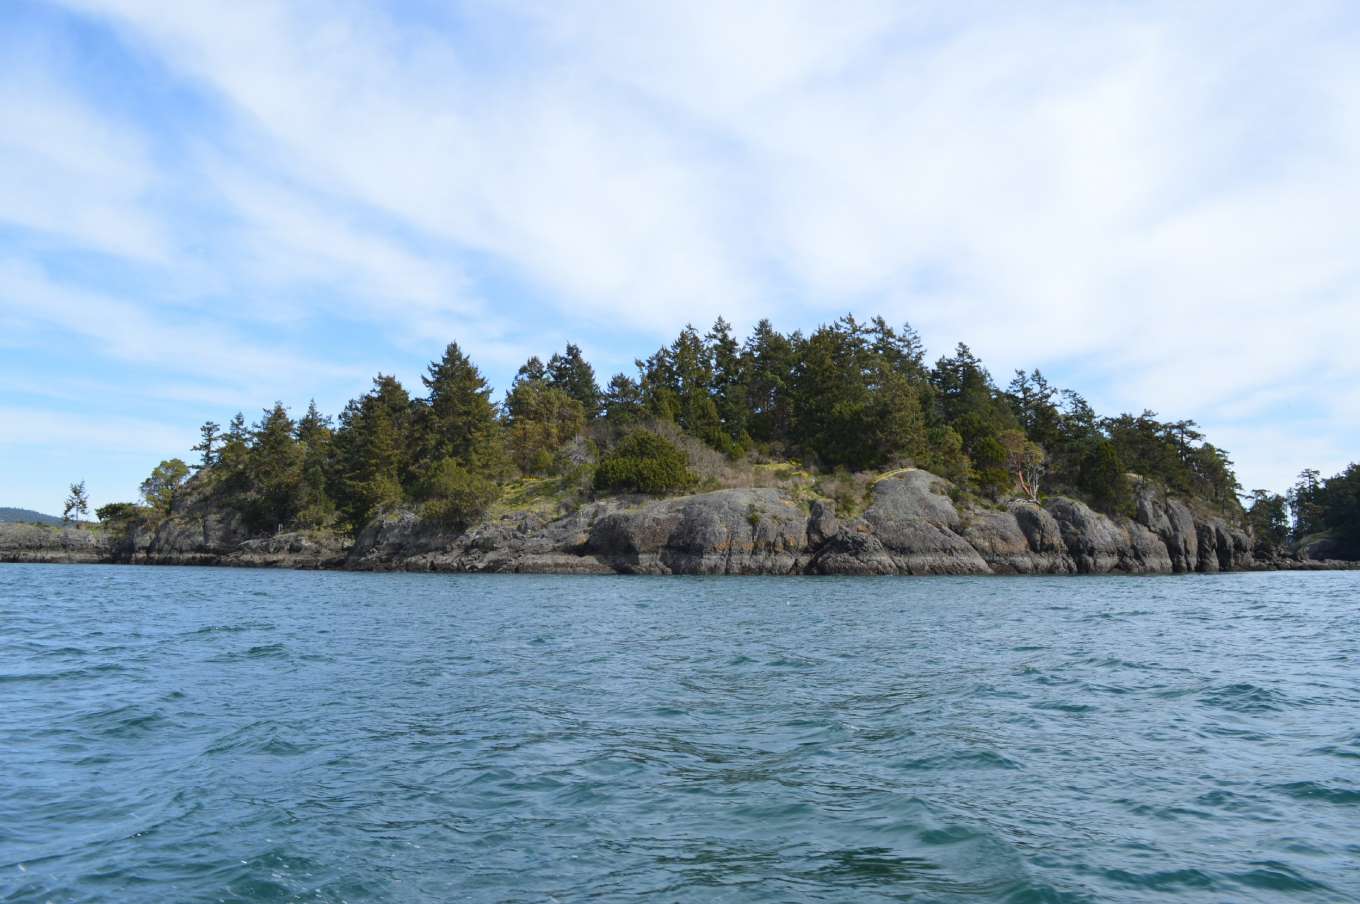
[234, 735]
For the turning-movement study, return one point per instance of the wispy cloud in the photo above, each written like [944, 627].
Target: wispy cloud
[1157, 200]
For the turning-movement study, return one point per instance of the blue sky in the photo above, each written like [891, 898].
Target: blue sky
[208, 206]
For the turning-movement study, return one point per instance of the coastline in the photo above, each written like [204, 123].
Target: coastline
[910, 527]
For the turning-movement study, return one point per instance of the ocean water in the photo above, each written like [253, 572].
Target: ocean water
[182, 734]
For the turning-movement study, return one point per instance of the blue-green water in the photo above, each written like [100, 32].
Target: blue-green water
[172, 734]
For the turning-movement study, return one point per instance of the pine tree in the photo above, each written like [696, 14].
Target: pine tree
[210, 435]
[769, 365]
[571, 373]
[275, 471]
[314, 435]
[77, 504]
[367, 458]
[542, 418]
[729, 383]
[460, 419]
[623, 401]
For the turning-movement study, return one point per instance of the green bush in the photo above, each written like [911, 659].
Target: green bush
[644, 462]
[456, 497]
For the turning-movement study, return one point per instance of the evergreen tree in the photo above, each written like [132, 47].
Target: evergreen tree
[769, 364]
[1341, 508]
[571, 373]
[623, 401]
[77, 504]
[1268, 518]
[729, 383]
[531, 371]
[542, 417]
[275, 469]
[209, 438]
[232, 458]
[1305, 503]
[1103, 480]
[367, 456]
[314, 435]
[459, 416]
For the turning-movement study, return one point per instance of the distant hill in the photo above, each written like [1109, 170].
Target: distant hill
[28, 515]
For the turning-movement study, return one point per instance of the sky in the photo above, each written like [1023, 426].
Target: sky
[205, 207]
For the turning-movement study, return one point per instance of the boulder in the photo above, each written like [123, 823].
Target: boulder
[1024, 539]
[1099, 544]
[741, 531]
[914, 519]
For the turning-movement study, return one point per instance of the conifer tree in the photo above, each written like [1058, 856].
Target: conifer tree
[210, 436]
[571, 373]
[623, 401]
[275, 471]
[460, 418]
[77, 504]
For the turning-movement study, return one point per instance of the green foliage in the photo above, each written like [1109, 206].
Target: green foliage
[1268, 517]
[77, 504]
[274, 466]
[1339, 500]
[315, 507]
[644, 462]
[850, 407]
[945, 456]
[573, 375]
[162, 488]
[454, 496]
[120, 515]
[367, 461]
[1307, 503]
[623, 406]
[210, 437]
[458, 420]
[851, 397]
[1103, 480]
[542, 418]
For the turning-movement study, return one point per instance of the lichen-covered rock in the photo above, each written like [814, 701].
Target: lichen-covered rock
[1004, 543]
[916, 523]
[1174, 523]
[200, 535]
[296, 549]
[853, 551]
[822, 523]
[742, 531]
[1099, 544]
[22, 542]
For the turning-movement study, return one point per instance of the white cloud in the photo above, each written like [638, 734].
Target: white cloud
[139, 334]
[1165, 192]
[35, 427]
[66, 173]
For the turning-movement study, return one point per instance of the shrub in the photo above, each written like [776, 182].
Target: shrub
[121, 516]
[644, 462]
[456, 497]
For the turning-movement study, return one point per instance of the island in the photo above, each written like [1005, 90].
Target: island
[839, 452]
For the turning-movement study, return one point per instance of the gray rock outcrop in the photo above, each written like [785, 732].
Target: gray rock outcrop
[911, 526]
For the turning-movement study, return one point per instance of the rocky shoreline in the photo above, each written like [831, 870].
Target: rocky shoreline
[911, 526]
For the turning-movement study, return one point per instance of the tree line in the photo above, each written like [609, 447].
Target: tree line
[850, 395]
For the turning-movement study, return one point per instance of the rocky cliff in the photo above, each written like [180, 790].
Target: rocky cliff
[910, 526]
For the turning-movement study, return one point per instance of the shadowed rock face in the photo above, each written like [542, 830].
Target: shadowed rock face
[911, 526]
